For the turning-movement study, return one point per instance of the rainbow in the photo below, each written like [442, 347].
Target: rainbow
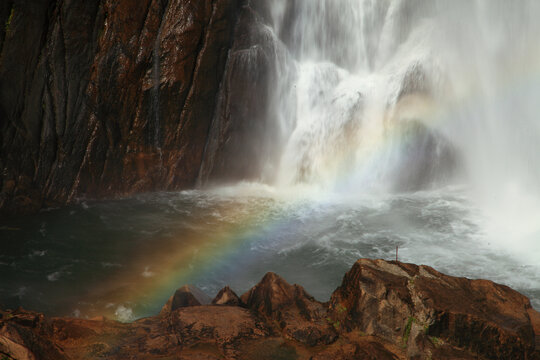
[152, 277]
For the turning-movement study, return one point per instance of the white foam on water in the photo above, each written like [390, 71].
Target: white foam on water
[55, 276]
[124, 314]
[466, 70]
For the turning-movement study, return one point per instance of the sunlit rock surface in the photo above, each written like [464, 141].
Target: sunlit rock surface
[227, 297]
[415, 304]
[186, 296]
[382, 310]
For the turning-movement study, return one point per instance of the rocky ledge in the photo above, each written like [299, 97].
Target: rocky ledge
[382, 310]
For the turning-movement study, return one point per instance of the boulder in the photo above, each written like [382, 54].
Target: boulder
[187, 295]
[217, 324]
[227, 297]
[422, 309]
[383, 310]
[26, 335]
[366, 349]
[298, 314]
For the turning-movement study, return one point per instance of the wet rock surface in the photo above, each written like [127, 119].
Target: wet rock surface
[187, 295]
[298, 314]
[109, 98]
[423, 309]
[382, 310]
[227, 297]
[245, 132]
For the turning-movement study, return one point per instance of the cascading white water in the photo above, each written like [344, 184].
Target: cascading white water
[411, 94]
[373, 100]
[356, 61]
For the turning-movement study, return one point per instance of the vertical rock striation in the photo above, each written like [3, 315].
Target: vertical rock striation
[106, 98]
[247, 127]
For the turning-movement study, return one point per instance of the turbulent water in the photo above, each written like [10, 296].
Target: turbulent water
[410, 95]
[125, 258]
[410, 123]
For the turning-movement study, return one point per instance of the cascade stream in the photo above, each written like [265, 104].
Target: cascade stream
[414, 95]
[410, 123]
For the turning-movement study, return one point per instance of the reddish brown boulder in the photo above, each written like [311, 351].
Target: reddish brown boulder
[535, 320]
[383, 310]
[422, 309]
[366, 348]
[28, 335]
[221, 325]
[227, 297]
[298, 314]
[187, 295]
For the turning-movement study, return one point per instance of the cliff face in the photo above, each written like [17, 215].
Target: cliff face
[247, 127]
[382, 310]
[106, 98]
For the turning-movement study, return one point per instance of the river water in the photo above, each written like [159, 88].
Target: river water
[124, 258]
[409, 123]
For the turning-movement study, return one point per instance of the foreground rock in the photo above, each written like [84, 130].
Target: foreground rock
[227, 297]
[382, 310]
[299, 316]
[422, 310]
[186, 296]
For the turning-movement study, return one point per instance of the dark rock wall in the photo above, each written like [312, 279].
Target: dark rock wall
[110, 97]
[246, 129]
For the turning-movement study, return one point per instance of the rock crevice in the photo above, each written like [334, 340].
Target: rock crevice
[382, 310]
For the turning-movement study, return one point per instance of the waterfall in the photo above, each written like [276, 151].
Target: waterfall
[365, 95]
[416, 94]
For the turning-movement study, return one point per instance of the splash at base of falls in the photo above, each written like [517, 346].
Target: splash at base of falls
[367, 104]
[124, 258]
[380, 109]
[409, 95]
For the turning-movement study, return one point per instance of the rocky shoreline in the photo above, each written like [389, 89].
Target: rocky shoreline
[382, 310]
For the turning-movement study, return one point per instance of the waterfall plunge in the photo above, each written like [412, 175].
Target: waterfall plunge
[366, 90]
[413, 94]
